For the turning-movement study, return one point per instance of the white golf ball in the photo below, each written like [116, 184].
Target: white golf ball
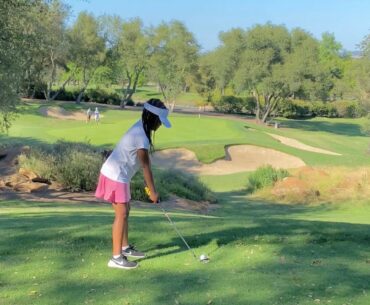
[203, 257]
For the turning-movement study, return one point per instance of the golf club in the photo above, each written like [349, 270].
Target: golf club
[203, 258]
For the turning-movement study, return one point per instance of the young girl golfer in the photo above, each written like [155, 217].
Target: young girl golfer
[131, 152]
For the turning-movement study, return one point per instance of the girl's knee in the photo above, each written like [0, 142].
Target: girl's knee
[122, 211]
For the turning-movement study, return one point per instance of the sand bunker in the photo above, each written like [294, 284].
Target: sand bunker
[239, 158]
[296, 144]
[61, 113]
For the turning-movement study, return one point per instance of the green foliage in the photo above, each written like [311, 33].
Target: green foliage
[366, 126]
[75, 165]
[102, 96]
[40, 162]
[229, 104]
[175, 59]
[87, 52]
[294, 109]
[303, 109]
[172, 182]
[265, 176]
[14, 37]
[349, 109]
[324, 109]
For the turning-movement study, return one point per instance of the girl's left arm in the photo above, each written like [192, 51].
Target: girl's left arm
[144, 160]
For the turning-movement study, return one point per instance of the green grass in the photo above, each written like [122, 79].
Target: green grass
[260, 254]
[206, 136]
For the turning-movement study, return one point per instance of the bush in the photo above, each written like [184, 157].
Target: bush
[102, 97]
[78, 170]
[229, 104]
[40, 162]
[93, 95]
[75, 165]
[324, 109]
[365, 128]
[130, 102]
[294, 109]
[172, 182]
[265, 176]
[349, 109]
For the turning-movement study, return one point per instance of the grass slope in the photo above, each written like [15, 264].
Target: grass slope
[260, 254]
[206, 136]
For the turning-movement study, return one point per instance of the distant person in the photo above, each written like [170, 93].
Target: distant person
[117, 171]
[88, 115]
[96, 115]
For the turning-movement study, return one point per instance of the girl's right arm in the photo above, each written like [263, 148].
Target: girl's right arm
[144, 160]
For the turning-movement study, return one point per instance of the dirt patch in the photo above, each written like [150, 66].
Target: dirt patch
[294, 189]
[299, 145]
[239, 158]
[61, 113]
[56, 196]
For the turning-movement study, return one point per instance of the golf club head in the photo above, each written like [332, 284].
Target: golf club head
[204, 258]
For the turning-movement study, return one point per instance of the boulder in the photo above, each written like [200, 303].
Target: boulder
[28, 173]
[30, 187]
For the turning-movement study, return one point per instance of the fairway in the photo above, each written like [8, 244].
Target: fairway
[260, 252]
[342, 136]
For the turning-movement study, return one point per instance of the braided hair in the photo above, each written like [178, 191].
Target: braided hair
[151, 120]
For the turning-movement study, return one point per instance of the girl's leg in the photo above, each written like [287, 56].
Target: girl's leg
[120, 222]
[125, 226]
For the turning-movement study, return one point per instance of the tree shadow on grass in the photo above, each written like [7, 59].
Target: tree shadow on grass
[305, 260]
[305, 253]
[339, 128]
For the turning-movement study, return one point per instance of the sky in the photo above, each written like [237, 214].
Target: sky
[348, 20]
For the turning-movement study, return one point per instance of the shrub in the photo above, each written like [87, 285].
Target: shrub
[365, 128]
[75, 165]
[294, 109]
[39, 162]
[78, 170]
[265, 176]
[349, 109]
[102, 97]
[130, 102]
[229, 104]
[324, 109]
[172, 182]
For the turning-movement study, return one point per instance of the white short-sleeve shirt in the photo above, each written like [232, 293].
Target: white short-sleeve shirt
[123, 162]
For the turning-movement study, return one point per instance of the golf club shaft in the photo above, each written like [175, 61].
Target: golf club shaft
[177, 231]
[171, 222]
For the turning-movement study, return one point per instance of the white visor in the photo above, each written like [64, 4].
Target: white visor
[162, 114]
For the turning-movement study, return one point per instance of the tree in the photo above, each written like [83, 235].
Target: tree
[132, 53]
[14, 37]
[261, 69]
[307, 77]
[204, 80]
[225, 59]
[52, 44]
[87, 51]
[331, 60]
[174, 58]
[277, 65]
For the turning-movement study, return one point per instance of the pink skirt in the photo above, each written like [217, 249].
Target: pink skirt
[112, 191]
